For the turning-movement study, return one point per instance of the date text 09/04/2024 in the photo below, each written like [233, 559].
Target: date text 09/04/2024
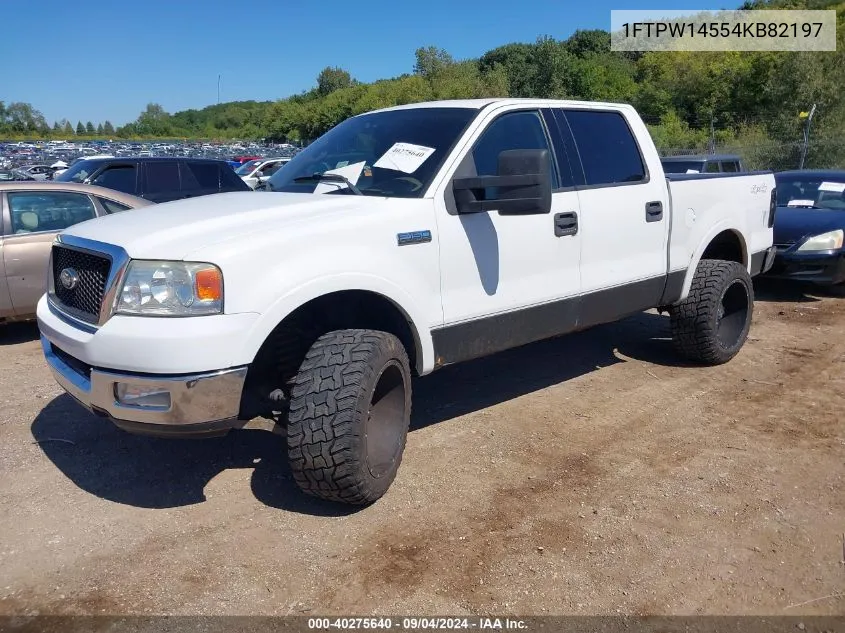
[412, 623]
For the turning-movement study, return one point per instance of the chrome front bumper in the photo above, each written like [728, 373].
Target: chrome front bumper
[194, 400]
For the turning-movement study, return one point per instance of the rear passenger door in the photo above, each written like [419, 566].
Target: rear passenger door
[161, 181]
[624, 216]
[34, 219]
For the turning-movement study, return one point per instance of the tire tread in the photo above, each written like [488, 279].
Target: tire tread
[326, 407]
[693, 322]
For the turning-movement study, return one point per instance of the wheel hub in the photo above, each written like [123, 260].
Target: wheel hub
[384, 427]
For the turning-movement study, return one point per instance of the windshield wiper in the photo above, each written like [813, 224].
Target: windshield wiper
[330, 178]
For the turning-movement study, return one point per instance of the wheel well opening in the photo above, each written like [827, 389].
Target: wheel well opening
[726, 246]
[281, 354]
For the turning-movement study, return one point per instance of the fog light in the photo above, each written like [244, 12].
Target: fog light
[141, 397]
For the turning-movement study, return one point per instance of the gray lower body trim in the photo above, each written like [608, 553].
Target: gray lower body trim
[674, 287]
[762, 261]
[488, 335]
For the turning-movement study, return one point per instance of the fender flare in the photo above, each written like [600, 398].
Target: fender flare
[315, 288]
[721, 227]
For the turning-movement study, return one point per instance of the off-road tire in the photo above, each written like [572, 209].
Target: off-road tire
[699, 332]
[332, 436]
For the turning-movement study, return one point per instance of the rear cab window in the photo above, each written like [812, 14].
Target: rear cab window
[606, 145]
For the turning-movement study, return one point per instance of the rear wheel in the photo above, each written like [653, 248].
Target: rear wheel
[349, 413]
[711, 325]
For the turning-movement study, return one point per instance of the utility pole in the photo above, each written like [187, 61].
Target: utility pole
[219, 77]
[808, 118]
[712, 136]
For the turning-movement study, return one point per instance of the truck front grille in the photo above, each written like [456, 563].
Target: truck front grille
[84, 298]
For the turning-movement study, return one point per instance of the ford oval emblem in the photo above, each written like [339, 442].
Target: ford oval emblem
[69, 278]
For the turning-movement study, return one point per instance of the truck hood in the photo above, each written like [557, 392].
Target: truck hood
[173, 229]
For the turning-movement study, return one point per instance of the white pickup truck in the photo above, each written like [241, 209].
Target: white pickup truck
[401, 241]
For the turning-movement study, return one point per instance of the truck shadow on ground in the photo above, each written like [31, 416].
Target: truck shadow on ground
[20, 332]
[165, 473]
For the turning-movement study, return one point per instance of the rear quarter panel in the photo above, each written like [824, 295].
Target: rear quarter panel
[705, 205]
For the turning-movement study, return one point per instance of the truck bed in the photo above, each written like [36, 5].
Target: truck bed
[705, 205]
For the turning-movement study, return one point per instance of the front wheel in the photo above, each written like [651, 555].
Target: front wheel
[711, 325]
[349, 413]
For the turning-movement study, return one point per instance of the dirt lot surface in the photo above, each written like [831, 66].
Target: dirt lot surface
[593, 474]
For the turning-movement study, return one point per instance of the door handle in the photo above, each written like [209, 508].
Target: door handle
[566, 223]
[653, 211]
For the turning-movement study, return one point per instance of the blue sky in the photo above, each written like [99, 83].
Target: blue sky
[106, 59]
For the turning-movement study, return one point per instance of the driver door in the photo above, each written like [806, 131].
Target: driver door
[508, 279]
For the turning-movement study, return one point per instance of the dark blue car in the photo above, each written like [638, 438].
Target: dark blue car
[810, 226]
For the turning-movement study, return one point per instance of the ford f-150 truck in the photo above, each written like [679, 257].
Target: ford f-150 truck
[401, 241]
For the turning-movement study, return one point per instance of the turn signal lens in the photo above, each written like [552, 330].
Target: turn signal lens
[209, 284]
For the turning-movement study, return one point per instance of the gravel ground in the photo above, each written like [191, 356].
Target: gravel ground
[592, 474]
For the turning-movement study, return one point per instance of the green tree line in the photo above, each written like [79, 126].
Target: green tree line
[22, 120]
[690, 100]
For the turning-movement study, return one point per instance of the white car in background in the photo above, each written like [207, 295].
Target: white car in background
[258, 171]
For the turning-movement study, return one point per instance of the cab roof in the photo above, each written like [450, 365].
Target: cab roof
[478, 104]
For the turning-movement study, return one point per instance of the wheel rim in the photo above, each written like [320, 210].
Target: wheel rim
[732, 314]
[385, 427]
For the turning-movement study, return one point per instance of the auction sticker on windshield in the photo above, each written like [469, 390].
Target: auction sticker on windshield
[404, 157]
[836, 187]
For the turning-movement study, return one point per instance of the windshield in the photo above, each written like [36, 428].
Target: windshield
[683, 166]
[826, 192]
[393, 154]
[246, 168]
[77, 172]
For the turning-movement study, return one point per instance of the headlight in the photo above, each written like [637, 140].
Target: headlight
[829, 241]
[171, 289]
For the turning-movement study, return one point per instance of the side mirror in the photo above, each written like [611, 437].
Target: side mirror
[522, 186]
